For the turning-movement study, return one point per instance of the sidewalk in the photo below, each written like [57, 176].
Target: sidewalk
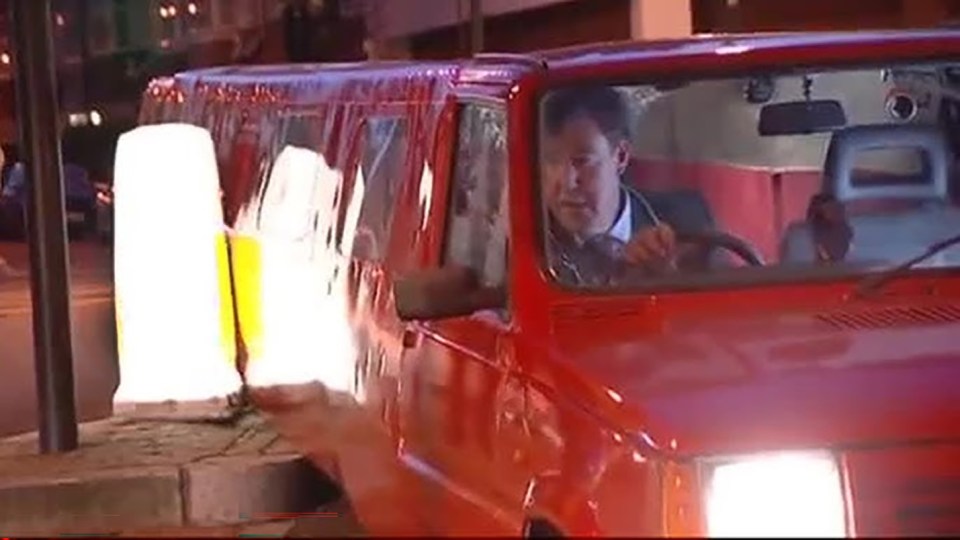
[16, 298]
[158, 478]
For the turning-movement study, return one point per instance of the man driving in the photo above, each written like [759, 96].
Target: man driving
[596, 220]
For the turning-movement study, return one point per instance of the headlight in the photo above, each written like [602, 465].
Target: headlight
[784, 495]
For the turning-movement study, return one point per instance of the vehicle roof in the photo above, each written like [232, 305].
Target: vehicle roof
[507, 69]
[719, 43]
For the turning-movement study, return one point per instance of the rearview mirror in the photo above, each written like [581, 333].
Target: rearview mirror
[441, 293]
[801, 117]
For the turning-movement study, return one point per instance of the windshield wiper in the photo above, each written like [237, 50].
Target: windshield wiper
[873, 283]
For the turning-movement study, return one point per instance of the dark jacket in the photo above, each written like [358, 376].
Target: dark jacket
[594, 263]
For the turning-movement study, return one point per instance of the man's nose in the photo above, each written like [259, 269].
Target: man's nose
[570, 177]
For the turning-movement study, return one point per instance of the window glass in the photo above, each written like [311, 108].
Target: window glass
[382, 167]
[295, 190]
[891, 165]
[478, 224]
[681, 183]
[102, 31]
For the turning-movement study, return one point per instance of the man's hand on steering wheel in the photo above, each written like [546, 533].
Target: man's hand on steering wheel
[654, 248]
[659, 248]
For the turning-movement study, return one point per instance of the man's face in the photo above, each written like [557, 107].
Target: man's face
[581, 177]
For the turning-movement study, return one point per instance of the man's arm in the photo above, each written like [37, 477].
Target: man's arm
[655, 245]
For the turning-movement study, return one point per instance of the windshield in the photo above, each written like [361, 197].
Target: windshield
[775, 177]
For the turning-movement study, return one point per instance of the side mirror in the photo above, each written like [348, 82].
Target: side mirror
[441, 293]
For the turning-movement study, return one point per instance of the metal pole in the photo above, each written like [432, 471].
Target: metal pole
[476, 26]
[37, 116]
[83, 17]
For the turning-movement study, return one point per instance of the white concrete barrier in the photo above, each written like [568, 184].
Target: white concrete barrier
[283, 264]
[175, 321]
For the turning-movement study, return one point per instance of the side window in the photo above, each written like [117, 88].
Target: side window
[287, 209]
[382, 169]
[477, 226]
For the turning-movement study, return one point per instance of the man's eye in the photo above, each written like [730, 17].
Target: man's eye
[580, 161]
[553, 160]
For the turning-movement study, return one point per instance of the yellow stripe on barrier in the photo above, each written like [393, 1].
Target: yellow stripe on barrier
[247, 274]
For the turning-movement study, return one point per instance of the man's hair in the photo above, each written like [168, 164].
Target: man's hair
[603, 104]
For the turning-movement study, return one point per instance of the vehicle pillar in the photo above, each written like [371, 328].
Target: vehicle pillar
[660, 19]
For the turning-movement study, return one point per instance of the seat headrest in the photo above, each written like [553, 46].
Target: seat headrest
[846, 143]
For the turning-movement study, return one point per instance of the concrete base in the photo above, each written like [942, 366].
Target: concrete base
[218, 409]
[140, 475]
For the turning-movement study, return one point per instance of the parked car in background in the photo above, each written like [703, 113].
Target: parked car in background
[104, 212]
[80, 201]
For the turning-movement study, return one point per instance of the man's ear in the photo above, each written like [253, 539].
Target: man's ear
[622, 155]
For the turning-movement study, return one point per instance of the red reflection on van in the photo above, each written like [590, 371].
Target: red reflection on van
[694, 287]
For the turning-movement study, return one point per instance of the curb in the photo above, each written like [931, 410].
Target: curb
[8, 271]
[224, 490]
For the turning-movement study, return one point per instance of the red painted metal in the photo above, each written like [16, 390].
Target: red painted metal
[583, 412]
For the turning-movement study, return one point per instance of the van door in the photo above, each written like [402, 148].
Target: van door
[375, 482]
[453, 369]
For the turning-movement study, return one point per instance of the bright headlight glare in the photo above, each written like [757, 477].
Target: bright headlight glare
[785, 495]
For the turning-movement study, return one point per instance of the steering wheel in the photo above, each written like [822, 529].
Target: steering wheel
[718, 239]
[609, 249]
[602, 256]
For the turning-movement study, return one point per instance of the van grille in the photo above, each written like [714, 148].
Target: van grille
[888, 317]
[909, 492]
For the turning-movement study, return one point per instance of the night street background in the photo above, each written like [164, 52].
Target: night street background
[94, 336]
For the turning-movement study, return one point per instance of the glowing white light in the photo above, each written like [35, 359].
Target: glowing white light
[78, 119]
[425, 195]
[732, 49]
[5, 58]
[174, 311]
[304, 333]
[353, 214]
[96, 118]
[787, 495]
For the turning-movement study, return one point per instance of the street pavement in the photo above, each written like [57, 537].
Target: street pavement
[96, 377]
[94, 335]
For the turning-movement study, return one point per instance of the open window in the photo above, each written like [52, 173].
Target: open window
[473, 275]
[477, 223]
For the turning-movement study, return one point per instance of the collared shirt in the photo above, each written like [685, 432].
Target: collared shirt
[622, 228]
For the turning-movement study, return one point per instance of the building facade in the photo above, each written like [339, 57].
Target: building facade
[108, 50]
[432, 29]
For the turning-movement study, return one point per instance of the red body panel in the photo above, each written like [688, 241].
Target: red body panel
[581, 411]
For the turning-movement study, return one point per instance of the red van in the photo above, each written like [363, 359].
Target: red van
[696, 287]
